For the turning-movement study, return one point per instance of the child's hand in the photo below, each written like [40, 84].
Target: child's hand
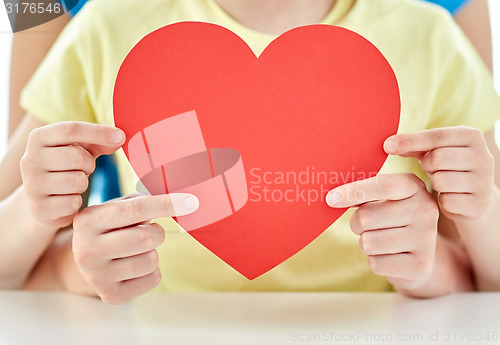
[56, 165]
[459, 164]
[397, 223]
[114, 243]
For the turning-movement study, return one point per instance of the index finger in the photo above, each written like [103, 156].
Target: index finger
[417, 143]
[126, 212]
[378, 188]
[74, 132]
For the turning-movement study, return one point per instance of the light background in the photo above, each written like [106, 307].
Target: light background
[6, 39]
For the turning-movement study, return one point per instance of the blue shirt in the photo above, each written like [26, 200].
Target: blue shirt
[453, 6]
[73, 6]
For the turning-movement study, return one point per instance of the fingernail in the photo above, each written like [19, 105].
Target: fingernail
[333, 198]
[191, 202]
[118, 137]
[184, 204]
[391, 145]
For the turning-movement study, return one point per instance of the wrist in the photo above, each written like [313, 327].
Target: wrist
[20, 234]
[480, 238]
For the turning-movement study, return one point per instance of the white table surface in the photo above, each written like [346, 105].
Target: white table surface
[250, 318]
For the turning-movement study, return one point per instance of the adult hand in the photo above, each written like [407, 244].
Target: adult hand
[56, 165]
[459, 164]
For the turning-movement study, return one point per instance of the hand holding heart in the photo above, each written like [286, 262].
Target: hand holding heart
[459, 164]
[397, 223]
[56, 165]
[397, 217]
[114, 244]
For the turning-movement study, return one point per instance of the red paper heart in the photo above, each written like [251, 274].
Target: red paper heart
[311, 113]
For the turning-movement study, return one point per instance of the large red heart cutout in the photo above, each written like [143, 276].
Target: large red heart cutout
[309, 114]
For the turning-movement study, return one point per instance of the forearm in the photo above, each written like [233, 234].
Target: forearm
[474, 20]
[29, 47]
[22, 240]
[451, 273]
[481, 238]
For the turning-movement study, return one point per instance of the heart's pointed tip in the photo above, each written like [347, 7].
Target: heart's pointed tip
[252, 277]
[254, 273]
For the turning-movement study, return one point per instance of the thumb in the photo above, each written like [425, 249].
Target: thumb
[169, 205]
[181, 204]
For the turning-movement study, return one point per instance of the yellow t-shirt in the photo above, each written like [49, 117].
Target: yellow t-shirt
[442, 82]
